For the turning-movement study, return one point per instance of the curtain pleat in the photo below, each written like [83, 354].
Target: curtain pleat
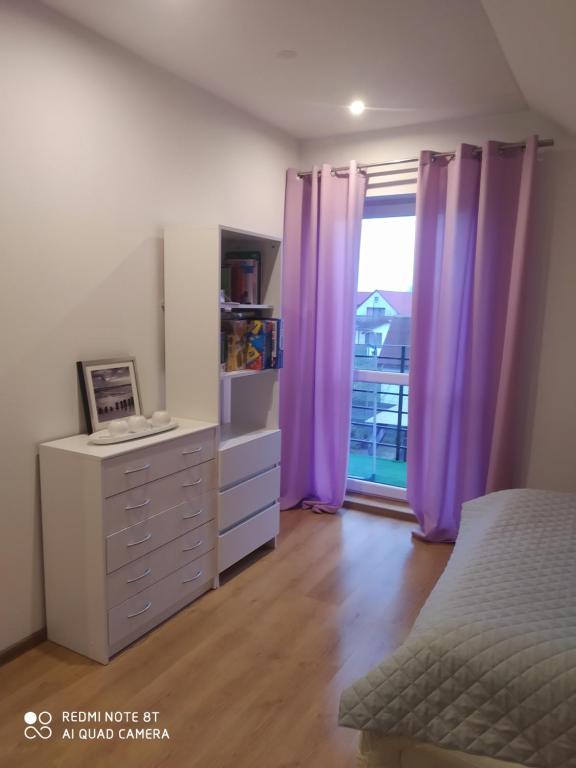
[323, 219]
[472, 219]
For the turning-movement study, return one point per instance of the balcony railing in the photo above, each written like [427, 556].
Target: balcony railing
[379, 424]
[390, 357]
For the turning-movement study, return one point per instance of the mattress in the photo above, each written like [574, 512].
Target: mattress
[489, 668]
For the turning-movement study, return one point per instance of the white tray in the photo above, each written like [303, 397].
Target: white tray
[103, 437]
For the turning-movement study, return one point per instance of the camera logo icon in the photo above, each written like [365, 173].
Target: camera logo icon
[38, 725]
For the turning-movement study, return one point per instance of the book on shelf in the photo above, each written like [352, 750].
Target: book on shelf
[225, 283]
[241, 276]
[223, 350]
[275, 343]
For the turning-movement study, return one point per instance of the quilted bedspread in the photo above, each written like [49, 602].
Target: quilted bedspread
[490, 664]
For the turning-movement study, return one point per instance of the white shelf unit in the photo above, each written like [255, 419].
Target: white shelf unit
[240, 374]
[244, 403]
[230, 306]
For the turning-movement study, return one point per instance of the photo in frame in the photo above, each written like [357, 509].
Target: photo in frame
[109, 390]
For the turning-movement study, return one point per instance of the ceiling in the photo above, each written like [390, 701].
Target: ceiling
[539, 40]
[297, 63]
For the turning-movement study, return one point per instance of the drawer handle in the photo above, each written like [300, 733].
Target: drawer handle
[146, 608]
[141, 541]
[137, 469]
[137, 506]
[194, 546]
[194, 578]
[193, 450]
[191, 485]
[194, 514]
[147, 572]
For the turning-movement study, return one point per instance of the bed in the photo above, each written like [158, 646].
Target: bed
[487, 676]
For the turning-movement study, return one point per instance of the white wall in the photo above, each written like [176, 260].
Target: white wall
[550, 438]
[98, 151]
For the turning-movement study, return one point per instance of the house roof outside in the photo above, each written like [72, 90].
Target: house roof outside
[372, 322]
[396, 348]
[400, 301]
[399, 332]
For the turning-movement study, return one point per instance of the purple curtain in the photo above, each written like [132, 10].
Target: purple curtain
[322, 225]
[472, 216]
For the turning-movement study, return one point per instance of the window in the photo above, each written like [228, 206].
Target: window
[379, 418]
[377, 311]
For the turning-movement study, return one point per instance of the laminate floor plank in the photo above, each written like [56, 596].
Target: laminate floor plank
[250, 675]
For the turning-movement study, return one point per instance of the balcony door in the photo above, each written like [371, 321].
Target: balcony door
[379, 418]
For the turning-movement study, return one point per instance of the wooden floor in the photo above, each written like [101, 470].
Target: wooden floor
[250, 675]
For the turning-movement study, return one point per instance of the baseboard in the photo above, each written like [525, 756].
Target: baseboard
[398, 510]
[22, 646]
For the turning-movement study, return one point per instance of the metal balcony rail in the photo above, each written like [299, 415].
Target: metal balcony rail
[398, 363]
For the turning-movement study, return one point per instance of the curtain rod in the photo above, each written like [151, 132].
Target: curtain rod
[363, 166]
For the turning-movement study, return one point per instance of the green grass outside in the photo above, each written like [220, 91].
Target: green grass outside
[388, 471]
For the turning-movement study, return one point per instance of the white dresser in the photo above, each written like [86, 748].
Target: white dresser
[129, 534]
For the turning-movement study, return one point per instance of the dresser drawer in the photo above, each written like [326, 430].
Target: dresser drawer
[141, 466]
[240, 461]
[140, 574]
[145, 501]
[244, 499]
[131, 543]
[248, 536]
[140, 613]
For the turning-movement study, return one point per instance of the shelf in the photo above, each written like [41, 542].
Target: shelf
[245, 372]
[234, 435]
[230, 306]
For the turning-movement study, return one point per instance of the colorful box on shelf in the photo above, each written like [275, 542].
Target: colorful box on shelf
[254, 344]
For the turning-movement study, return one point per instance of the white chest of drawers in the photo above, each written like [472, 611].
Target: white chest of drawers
[129, 534]
[249, 489]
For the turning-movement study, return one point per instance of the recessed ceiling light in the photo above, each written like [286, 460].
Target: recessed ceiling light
[357, 107]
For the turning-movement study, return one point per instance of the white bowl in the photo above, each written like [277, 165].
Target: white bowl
[137, 424]
[118, 427]
[160, 418]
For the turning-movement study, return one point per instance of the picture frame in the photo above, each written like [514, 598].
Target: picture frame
[109, 390]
